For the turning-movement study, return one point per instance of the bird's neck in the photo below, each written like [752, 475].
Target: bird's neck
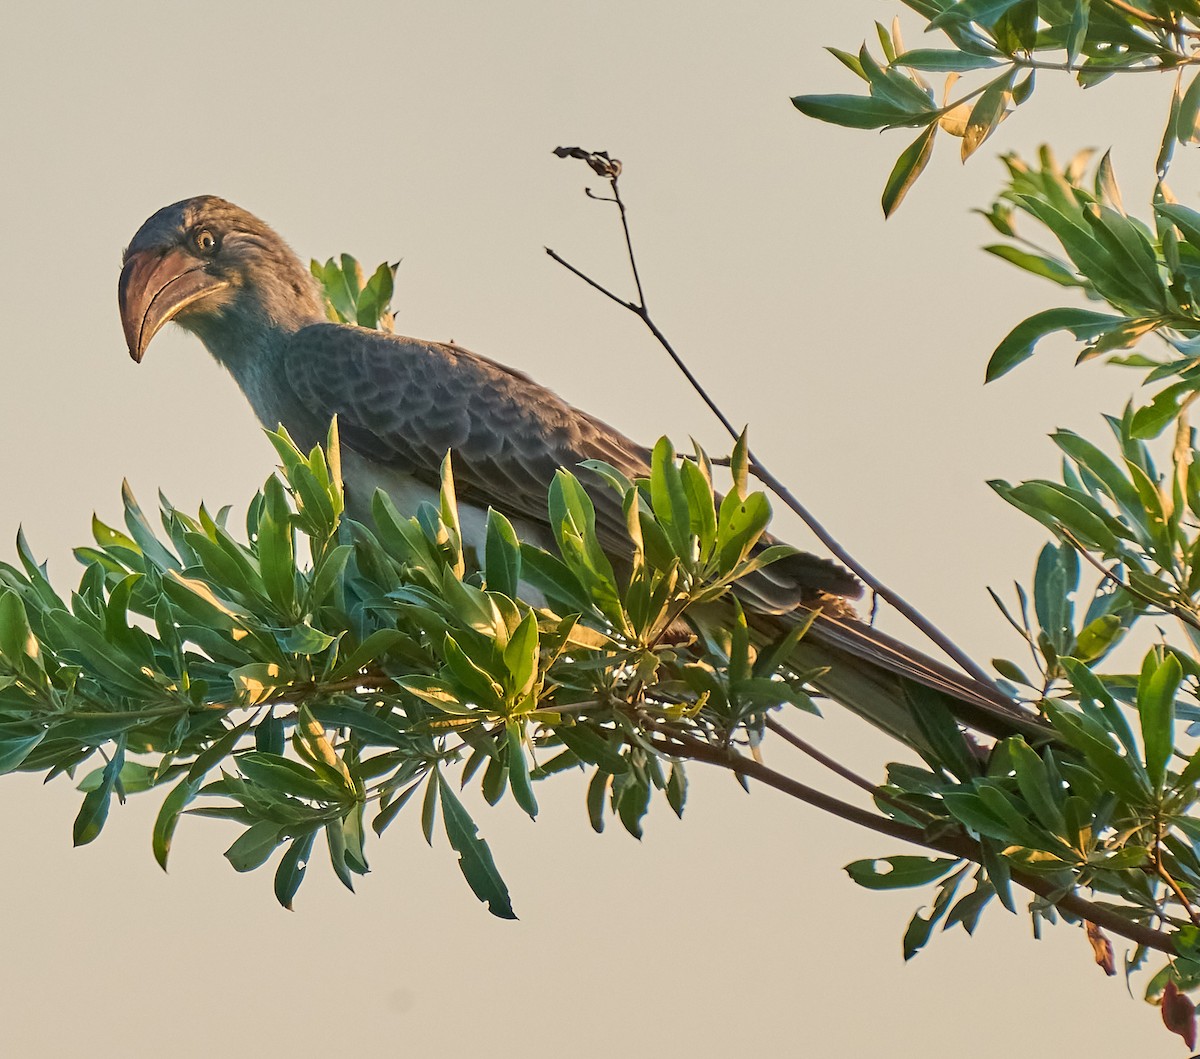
[258, 321]
[248, 337]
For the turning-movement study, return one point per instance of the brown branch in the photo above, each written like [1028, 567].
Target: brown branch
[685, 746]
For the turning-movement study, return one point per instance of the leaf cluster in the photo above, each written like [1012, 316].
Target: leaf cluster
[998, 48]
[308, 678]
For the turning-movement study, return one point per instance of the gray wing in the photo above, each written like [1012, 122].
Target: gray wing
[403, 402]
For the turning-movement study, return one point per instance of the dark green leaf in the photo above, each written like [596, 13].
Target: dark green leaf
[475, 859]
[891, 873]
[589, 745]
[518, 770]
[944, 60]
[856, 112]
[292, 866]
[1157, 688]
[908, 167]
[1018, 344]
[168, 817]
[255, 845]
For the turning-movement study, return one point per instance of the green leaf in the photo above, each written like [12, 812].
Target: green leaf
[944, 60]
[1116, 484]
[94, 810]
[521, 657]
[219, 750]
[633, 805]
[1157, 688]
[502, 551]
[255, 845]
[1038, 264]
[474, 857]
[596, 792]
[669, 498]
[984, 12]
[1034, 781]
[285, 776]
[1053, 506]
[935, 722]
[1120, 774]
[740, 524]
[1151, 420]
[677, 787]
[856, 112]
[848, 60]
[1187, 126]
[700, 502]
[429, 805]
[292, 866]
[480, 686]
[590, 746]
[1097, 637]
[917, 935]
[14, 751]
[1185, 219]
[908, 167]
[518, 770]
[134, 777]
[168, 817]
[276, 548]
[1077, 30]
[390, 811]
[893, 873]
[19, 648]
[1018, 344]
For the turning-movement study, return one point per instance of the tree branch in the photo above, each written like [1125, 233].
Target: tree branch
[685, 746]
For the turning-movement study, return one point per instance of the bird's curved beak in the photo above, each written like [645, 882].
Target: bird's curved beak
[154, 288]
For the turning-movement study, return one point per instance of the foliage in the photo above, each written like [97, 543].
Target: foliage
[309, 699]
[1111, 805]
[313, 678]
[350, 298]
[999, 47]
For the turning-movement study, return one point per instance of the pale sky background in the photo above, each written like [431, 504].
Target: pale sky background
[855, 349]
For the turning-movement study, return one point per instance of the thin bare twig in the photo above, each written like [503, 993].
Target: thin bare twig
[685, 746]
[758, 468]
[1167, 607]
[805, 747]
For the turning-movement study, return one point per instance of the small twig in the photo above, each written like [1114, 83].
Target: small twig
[591, 282]
[1168, 607]
[1180, 896]
[1151, 19]
[818, 756]
[760, 470]
[683, 745]
[1160, 869]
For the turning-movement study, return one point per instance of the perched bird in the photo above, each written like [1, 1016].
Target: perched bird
[402, 403]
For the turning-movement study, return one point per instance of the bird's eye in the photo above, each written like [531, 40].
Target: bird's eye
[205, 241]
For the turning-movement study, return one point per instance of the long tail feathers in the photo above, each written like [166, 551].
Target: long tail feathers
[866, 672]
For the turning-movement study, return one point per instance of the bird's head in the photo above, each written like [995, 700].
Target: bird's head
[216, 270]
